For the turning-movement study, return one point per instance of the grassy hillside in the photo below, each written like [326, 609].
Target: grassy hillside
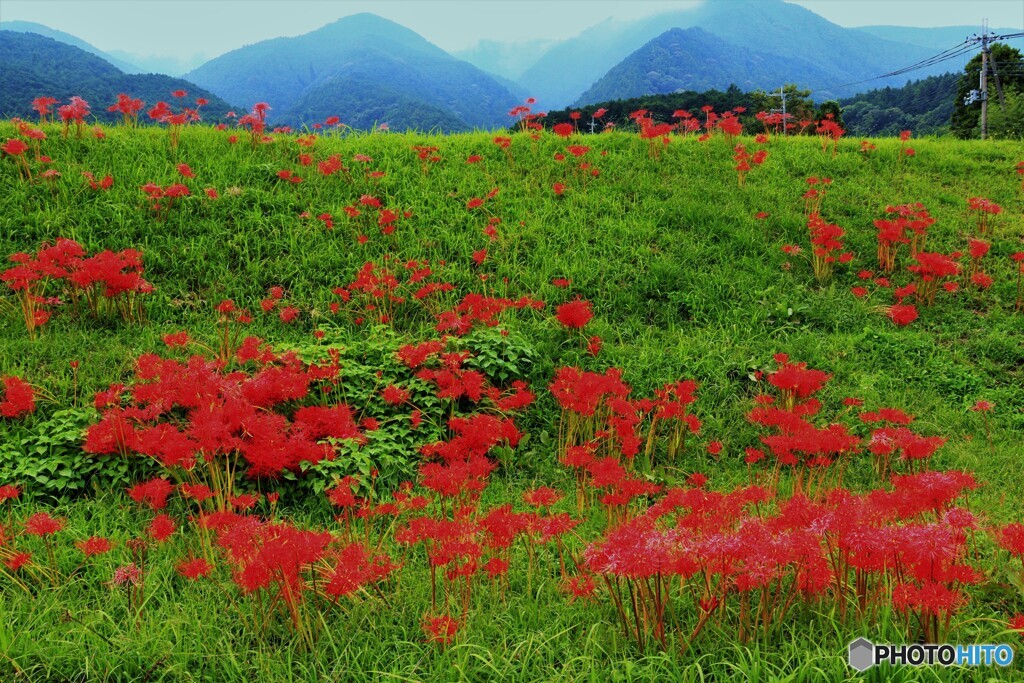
[687, 277]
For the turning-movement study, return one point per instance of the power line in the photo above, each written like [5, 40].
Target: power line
[951, 53]
[967, 46]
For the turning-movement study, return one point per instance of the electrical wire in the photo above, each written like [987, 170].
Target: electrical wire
[946, 55]
[950, 53]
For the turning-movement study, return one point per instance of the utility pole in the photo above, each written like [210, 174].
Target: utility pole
[984, 81]
[987, 62]
[782, 94]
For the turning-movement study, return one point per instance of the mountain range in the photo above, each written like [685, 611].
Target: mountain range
[32, 65]
[693, 59]
[369, 70]
[368, 59]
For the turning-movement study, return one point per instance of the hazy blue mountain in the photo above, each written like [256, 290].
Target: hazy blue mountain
[375, 53]
[125, 65]
[33, 66]
[162, 64]
[364, 104]
[506, 59]
[769, 26]
[693, 59]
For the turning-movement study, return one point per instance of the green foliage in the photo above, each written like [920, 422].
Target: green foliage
[1009, 63]
[34, 66]
[46, 456]
[1006, 120]
[831, 108]
[923, 106]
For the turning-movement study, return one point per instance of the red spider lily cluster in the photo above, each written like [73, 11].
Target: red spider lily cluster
[829, 132]
[907, 224]
[744, 159]
[73, 113]
[63, 273]
[128, 107]
[378, 291]
[369, 213]
[826, 247]
[18, 398]
[982, 209]
[669, 560]
[931, 272]
[526, 118]
[686, 558]
[255, 122]
[175, 121]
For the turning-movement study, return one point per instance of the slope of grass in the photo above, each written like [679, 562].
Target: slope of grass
[685, 281]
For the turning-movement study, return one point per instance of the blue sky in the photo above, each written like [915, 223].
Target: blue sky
[212, 27]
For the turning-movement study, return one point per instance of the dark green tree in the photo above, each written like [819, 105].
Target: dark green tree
[799, 105]
[831, 107]
[1009, 64]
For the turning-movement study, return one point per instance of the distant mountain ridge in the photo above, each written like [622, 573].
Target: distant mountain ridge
[773, 27]
[368, 51]
[124, 65]
[32, 66]
[369, 70]
[507, 60]
[693, 59]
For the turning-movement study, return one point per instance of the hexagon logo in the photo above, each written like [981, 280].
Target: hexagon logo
[862, 654]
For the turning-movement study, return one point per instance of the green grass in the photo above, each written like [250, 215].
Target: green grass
[684, 281]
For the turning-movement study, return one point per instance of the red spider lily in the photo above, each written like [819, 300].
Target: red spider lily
[9, 492]
[826, 247]
[730, 126]
[94, 545]
[441, 630]
[42, 106]
[194, 569]
[356, 567]
[574, 315]
[103, 184]
[17, 560]
[128, 107]
[814, 196]
[42, 524]
[153, 493]
[909, 226]
[16, 148]
[563, 130]
[931, 269]
[394, 395]
[74, 112]
[982, 208]
[902, 314]
[542, 497]
[18, 398]
[796, 381]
